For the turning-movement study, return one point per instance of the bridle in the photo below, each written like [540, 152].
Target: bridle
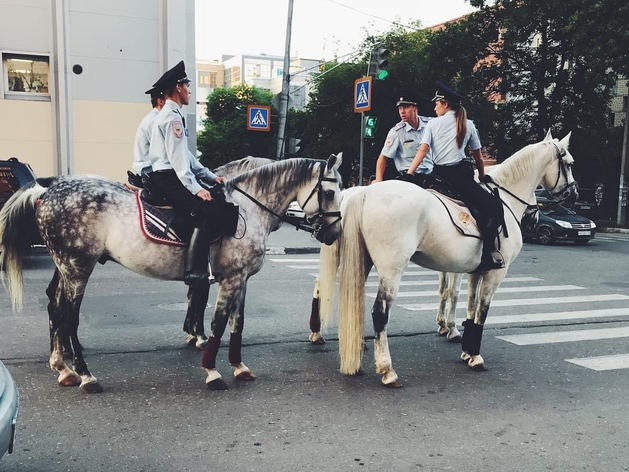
[316, 221]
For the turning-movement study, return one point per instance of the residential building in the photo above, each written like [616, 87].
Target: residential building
[210, 76]
[74, 73]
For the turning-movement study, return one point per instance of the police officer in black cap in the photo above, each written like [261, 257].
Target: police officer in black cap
[142, 143]
[447, 136]
[177, 172]
[404, 138]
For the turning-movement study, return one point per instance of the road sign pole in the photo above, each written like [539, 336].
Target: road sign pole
[621, 215]
[362, 139]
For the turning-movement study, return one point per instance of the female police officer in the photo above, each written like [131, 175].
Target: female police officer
[446, 137]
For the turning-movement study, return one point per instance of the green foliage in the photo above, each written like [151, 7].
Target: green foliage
[225, 136]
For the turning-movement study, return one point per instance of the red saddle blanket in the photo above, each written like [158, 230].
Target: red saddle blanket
[156, 224]
[459, 214]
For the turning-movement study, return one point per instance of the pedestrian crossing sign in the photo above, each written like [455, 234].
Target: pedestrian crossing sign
[258, 118]
[362, 94]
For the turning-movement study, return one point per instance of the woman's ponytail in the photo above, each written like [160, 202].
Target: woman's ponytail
[460, 118]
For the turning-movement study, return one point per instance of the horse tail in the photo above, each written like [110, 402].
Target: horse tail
[352, 288]
[328, 265]
[17, 219]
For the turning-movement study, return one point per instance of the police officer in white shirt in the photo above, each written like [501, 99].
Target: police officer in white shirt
[447, 136]
[141, 159]
[404, 138]
[176, 171]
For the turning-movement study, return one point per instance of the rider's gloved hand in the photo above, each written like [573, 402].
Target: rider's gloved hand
[486, 179]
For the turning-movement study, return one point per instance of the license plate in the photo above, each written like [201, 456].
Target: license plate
[586, 207]
[584, 233]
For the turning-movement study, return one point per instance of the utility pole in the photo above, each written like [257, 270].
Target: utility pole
[622, 192]
[285, 85]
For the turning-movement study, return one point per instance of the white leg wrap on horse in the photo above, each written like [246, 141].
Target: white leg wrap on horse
[212, 375]
[382, 355]
[239, 369]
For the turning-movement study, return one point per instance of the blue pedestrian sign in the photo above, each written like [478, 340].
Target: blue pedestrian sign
[258, 118]
[362, 95]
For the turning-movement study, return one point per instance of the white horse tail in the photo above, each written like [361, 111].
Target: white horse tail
[17, 219]
[352, 288]
[328, 266]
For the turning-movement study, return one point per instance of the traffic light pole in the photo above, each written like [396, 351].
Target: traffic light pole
[362, 140]
[285, 85]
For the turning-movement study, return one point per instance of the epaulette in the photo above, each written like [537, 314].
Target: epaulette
[400, 125]
[425, 119]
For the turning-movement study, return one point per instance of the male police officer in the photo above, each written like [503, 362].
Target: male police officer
[141, 159]
[404, 138]
[176, 170]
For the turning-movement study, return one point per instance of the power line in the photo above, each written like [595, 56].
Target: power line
[374, 16]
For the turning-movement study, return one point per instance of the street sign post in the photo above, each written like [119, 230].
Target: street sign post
[258, 118]
[362, 95]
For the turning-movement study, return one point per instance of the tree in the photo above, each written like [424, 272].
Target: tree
[225, 136]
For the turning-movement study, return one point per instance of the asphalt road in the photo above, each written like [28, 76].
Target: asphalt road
[541, 405]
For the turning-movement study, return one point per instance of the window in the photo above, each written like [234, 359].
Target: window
[26, 75]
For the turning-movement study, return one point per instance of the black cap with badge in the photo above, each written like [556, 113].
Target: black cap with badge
[154, 92]
[446, 93]
[405, 97]
[173, 76]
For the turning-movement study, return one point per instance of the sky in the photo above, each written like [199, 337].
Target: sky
[321, 28]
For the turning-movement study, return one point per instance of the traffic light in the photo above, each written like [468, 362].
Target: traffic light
[370, 126]
[378, 63]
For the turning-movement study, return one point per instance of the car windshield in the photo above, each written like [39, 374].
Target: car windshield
[556, 209]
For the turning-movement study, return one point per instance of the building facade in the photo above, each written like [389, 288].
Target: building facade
[74, 73]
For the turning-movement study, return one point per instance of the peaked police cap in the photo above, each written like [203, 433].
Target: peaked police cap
[174, 76]
[446, 93]
[405, 97]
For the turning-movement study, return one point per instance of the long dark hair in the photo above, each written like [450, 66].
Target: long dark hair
[460, 118]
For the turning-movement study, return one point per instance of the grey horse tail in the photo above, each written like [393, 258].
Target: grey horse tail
[17, 219]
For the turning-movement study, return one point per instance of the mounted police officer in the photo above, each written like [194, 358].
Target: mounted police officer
[176, 172]
[404, 138]
[446, 137]
[141, 159]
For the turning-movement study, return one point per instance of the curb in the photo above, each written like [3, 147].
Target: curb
[612, 230]
[291, 250]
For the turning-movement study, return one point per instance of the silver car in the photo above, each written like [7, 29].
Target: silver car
[9, 406]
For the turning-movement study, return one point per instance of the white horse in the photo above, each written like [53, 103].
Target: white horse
[392, 223]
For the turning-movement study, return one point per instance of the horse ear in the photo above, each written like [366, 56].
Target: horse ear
[565, 141]
[549, 136]
[335, 161]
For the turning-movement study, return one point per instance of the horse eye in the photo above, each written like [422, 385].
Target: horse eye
[329, 194]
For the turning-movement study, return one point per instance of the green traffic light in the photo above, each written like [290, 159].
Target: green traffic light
[383, 74]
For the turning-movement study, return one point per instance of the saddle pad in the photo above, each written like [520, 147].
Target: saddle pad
[155, 225]
[459, 214]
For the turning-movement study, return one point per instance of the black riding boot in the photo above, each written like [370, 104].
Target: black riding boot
[197, 258]
[487, 260]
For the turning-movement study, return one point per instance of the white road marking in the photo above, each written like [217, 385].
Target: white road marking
[413, 283]
[543, 288]
[529, 301]
[619, 361]
[294, 260]
[565, 336]
[557, 316]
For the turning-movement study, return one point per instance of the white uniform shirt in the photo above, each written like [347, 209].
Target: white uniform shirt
[440, 135]
[169, 149]
[142, 142]
[402, 144]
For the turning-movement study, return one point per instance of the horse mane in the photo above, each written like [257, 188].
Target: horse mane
[240, 165]
[291, 172]
[517, 166]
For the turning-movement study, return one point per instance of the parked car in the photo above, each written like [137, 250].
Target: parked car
[13, 176]
[556, 223]
[297, 216]
[9, 406]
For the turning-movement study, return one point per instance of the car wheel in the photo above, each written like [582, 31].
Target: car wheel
[545, 235]
[581, 242]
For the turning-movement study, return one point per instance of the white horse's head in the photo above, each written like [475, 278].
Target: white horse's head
[321, 206]
[558, 179]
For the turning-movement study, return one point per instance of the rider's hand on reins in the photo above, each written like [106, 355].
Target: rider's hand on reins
[204, 195]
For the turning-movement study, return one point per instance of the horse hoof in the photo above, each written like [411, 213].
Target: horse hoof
[442, 331]
[454, 339]
[91, 387]
[465, 357]
[191, 340]
[218, 384]
[395, 384]
[70, 380]
[318, 341]
[246, 376]
[200, 344]
[478, 367]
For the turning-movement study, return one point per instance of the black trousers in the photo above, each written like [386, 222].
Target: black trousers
[461, 177]
[204, 213]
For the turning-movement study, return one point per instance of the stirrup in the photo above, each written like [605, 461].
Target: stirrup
[490, 264]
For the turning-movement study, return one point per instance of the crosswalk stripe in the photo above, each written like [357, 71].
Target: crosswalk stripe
[557, 316]
[406, 273]
[599, 363]
[565, 336]
[294, 260]
[543, 288]
[307, 267]
[413, 283]
[530, 301]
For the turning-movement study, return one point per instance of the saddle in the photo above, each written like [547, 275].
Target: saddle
[161, 223]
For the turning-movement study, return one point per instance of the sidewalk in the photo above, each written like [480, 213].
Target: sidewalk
[611, 229]
[287, 240]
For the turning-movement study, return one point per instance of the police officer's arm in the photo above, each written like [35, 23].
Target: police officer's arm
[179, 156]
[203, 173]
[388, 151]
[475, 146]
[423, 148]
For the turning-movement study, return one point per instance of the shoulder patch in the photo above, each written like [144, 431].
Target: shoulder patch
[177, 128]
[389, 142]
[400, 125]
